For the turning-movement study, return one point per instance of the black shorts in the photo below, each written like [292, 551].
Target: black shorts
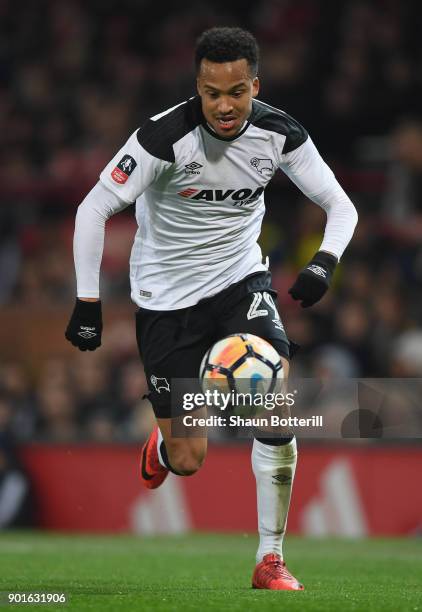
[172, 343]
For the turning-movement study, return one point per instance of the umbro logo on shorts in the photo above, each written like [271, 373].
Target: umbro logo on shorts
[278, 324]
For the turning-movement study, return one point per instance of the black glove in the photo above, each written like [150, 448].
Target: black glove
[314, 280]
[85, 326]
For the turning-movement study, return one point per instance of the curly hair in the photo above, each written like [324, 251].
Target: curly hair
[227, 45]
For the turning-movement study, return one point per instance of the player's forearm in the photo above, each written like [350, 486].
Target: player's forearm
[342, 218]
[88, 245]
[88, 242]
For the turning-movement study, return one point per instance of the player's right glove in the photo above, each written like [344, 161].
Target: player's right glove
[314, 280]
[85, 325]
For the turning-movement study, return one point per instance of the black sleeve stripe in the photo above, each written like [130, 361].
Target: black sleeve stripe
[269, 118]
[158, 137]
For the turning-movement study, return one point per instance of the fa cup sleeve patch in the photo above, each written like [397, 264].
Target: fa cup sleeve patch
[124, 169]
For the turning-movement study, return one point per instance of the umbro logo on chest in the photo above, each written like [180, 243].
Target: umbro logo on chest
[193, 168]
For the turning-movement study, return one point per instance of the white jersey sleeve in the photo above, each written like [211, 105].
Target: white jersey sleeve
[132, 170]
[88, 241]
[306, 168]
[127, 176]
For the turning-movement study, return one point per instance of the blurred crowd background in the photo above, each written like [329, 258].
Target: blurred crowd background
[76, 78]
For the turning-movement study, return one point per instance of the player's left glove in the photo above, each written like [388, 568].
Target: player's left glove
[314, 280]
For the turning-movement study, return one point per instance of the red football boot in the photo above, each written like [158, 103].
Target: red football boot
[153, 474]
[273, 574]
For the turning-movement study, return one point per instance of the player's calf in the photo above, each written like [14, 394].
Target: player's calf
[185, 461]
[183, 456]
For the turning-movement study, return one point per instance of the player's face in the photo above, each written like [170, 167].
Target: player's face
[226, 92]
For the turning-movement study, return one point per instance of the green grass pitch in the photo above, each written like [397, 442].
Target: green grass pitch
[209, 572]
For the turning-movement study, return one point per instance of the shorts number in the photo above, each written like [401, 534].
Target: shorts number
[254, 310]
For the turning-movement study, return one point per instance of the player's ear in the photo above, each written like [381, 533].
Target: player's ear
[198, 86]
[255, 87]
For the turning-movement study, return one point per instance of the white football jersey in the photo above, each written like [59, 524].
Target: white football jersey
[200, 198]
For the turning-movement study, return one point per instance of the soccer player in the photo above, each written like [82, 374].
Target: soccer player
[197, 173]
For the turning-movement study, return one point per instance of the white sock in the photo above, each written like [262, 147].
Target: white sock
[274, 469]
[159, 440]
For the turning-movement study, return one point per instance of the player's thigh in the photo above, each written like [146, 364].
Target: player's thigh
[171, 352]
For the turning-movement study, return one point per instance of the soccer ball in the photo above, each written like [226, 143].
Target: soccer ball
[241, 363]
